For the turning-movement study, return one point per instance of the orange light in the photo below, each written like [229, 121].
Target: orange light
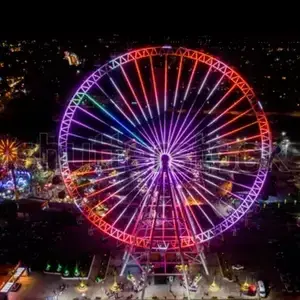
[8, 151]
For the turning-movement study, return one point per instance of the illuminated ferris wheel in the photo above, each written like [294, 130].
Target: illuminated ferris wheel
[164, 148]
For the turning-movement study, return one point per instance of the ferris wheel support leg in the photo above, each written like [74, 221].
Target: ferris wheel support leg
[151, 239]
[125, 254]
[203, 260]
[126, 259]
[178, 237]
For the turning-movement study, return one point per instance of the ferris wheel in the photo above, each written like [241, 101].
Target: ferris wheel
[164, 148]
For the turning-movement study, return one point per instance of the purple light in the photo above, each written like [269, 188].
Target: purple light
[161, 130]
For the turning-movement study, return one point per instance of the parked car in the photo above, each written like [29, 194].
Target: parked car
[261, 289]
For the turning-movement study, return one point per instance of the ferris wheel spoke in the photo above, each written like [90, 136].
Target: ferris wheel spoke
[91, 160]
[142, 151]
[124, 100]
[233, 152]
[184, 164]
[224, 190]
[218, 137]
[184, 150]
[112, 185]
[105, 123]
[114, 175]
[145, 181]
[133, 93]
[232, 132]
[190, 136]
[229, 122]
[166, 84]
[232, 162]
[189, 180]
[155, 134]
[222, 99]
[97, 131]
[182, 206]
[227, 110]
[212, 194]
[178, 205]
[155, 214]
[215, 87]
[136, 118]
[184, 202]
[140, 107]
[78, 174]
[143, 87]
[95, 141]
[199, 206]
[165, 102]
[96, 151]
[230, 171]
[154, 85]
[240, 115]
[187, 157]
[183, 128]
[201, 122]
[156, 139]
[215, 197]
[182, 103]
[190, 80]
[197, 141]
[115, 105]
[156, 96]
[141, 154]
[178, 81]
[86, 126]
[125, 197]
[140, 209]
[224, 180]
[138, 140]
[238, 141]
[171, 129]
[135, 177]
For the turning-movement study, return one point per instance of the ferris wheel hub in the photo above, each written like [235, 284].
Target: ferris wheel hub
[165, 161]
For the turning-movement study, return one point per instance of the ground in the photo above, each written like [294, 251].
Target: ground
[266, 247]
[41, 286]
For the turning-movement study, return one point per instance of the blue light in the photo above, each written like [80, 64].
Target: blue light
[120, 123]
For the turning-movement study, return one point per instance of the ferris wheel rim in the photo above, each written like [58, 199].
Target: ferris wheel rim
[214, 63]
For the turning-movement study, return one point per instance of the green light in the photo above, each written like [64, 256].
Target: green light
[59, 267]
[76, 271]
[48, 267]
[66, 272]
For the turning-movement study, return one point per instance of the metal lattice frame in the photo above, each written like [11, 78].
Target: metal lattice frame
[216, 65]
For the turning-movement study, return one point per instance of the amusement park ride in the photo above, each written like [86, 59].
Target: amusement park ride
[153, 156]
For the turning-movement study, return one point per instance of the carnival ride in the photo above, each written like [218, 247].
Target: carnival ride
[17, 161]
[160, 155]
